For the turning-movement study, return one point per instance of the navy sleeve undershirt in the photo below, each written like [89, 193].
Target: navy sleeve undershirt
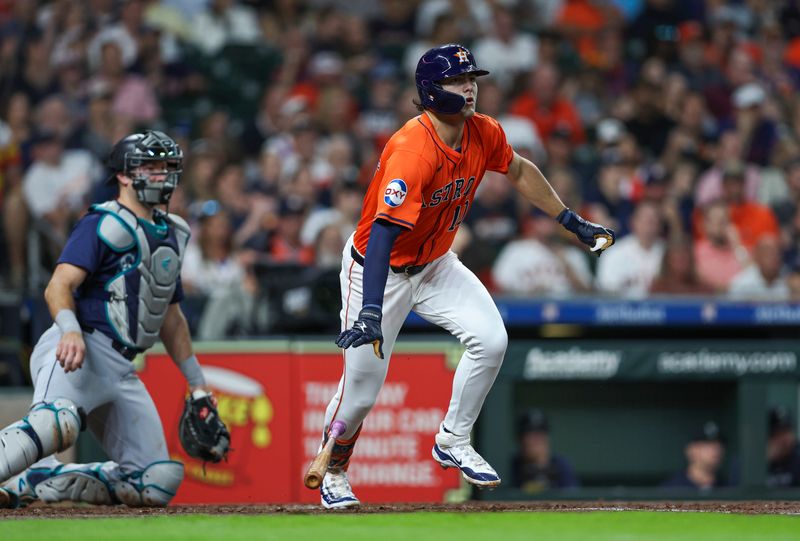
[376, 261]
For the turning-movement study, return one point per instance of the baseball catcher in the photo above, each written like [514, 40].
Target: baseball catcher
[114, 292]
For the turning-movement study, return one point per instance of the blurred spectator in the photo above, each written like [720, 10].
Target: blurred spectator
[650, 125]
[343, 215]
[678, 274]
[212, 267]
[510, 51]
[521, 133]
[704, 454]
[536, 468]
[393, 28]
[783, 450]
[445, 29]
[757, 133]
[328, 246]
[729, 154]
[543, 103]
[57, 183]
[245, 211]
[764, 280]
[224, 22]
[493, 220]
[541, 263]
[473, 18]
[719, 255]
[132, 95]
[636, 259]
[584, 23]
[285, 245]
[753, 220]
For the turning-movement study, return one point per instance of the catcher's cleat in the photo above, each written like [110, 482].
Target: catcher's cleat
[20, 490]
[336, 492]
[452, 451]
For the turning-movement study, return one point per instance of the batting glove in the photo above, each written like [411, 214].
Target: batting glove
[366, 330]
[597, 237]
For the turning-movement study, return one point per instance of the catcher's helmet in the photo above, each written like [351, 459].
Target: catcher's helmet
[440, 63]
[150, 146]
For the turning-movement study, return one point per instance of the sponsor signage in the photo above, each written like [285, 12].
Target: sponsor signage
[274, 405]
[630, 359]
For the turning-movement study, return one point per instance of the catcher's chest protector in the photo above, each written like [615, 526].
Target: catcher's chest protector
[145, 287]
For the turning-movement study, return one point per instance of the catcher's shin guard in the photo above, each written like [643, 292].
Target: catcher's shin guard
[49, 427]
[153, 487]
[342, 451]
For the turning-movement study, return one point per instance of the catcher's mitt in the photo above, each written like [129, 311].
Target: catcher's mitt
[201, 431]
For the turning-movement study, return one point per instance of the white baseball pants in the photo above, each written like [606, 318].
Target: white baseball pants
[446, 294]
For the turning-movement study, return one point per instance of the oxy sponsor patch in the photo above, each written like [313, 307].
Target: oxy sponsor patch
[395, 193]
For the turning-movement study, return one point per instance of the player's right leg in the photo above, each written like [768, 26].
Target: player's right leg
[54, 421]
[363, 374]
[129, 429]
[52, 425]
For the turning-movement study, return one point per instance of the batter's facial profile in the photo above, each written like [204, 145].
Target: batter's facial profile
[395, 193]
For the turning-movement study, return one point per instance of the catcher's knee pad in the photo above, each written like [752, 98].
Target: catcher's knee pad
[153, 487]
[342, 451]
[49, 427]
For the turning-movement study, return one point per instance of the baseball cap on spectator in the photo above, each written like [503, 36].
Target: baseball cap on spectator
[561, 131]
[326, 64]
[748, 95]
[291, 206]
[780, 420]
[45, 136]
[709, 432]
[733, 170]
[609, 131]
[533, 420]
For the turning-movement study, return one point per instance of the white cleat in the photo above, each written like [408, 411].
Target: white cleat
[19, 491]
[452, 451]
[336, 492]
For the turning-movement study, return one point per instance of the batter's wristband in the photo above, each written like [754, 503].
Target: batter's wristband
[190, 368]
[67, 322]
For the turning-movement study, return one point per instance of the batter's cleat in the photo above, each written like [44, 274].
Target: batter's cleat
[336, 492]
[452, 451]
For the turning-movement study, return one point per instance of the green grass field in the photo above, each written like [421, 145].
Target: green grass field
[588, 526]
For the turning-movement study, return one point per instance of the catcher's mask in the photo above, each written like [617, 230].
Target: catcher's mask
[138, 149]
[441, 63]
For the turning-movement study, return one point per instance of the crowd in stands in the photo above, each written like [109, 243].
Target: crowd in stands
[677, 123]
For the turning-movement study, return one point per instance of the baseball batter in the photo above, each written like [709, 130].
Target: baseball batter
[399, 260]
[113, 293]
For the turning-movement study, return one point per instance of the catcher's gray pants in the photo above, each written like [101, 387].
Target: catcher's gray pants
[120, 412]
[445, 293]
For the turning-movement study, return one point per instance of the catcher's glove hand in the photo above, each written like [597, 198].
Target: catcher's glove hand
[597, 237]
[201, 431]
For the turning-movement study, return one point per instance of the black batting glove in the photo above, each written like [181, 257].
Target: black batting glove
[597, 237]
[366, 330]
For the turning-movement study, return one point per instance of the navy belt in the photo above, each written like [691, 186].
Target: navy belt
[410, 270]
[127, 352]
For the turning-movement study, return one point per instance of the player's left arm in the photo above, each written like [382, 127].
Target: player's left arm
[178, 341]
[531, 183]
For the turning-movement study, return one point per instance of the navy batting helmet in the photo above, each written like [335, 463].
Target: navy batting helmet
[439, 63]
[151, 146]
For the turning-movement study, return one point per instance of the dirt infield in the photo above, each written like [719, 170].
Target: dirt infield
[87, 511]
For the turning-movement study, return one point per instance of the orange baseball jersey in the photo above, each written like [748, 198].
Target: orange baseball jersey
[427, 187]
